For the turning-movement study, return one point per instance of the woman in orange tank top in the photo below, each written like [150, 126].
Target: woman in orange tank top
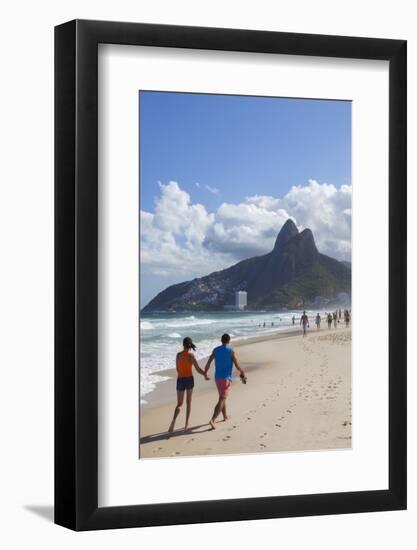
[185, 381]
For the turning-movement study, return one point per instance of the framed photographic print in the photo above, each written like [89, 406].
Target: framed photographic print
[230, 275]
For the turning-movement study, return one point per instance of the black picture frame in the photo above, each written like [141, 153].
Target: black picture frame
[76, 272]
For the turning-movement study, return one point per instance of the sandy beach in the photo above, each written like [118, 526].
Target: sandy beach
[298, 397]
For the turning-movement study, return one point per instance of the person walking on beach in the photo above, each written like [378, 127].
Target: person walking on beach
[329, 321]
[293, 319]
[224, 358]
[305, 323]
[185, 382]
[335, 319]
[318, 320]
[347, 318]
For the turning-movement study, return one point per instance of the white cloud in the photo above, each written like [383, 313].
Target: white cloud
[212, 190]
[324, 209]
[171, 239]
[182, 238]
[244, 230]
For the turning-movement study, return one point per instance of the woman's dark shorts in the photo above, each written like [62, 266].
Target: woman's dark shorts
[186, 383]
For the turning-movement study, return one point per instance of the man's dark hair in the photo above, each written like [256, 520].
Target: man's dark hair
[225, 339]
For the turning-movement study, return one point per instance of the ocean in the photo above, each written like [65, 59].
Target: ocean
[161, 336]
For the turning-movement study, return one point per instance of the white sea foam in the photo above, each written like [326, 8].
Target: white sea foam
[186, 323]
[148, 382]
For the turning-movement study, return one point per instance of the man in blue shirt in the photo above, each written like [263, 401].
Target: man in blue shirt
[224, 358]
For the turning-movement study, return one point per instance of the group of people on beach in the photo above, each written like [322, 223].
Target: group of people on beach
[336, 318]
[332, 318]
[224, 358]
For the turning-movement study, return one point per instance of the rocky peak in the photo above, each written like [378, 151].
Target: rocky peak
[306, 241]
[288, 231]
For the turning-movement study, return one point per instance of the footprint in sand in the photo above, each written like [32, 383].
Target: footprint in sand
[262, 445]
[278, 425]
[288, 411]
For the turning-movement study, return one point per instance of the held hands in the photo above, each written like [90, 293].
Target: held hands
[206, 376]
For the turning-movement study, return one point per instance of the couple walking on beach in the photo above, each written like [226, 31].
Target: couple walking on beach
[224, 358]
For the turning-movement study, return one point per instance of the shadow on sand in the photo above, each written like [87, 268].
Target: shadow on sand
[162, 436]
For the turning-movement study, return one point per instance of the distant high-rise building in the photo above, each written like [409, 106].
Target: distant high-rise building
[241, 299]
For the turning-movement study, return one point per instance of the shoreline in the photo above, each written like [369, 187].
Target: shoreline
[162, 393]
[297, 398]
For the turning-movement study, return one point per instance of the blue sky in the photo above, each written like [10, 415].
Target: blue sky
[240, 145]
[219, 175]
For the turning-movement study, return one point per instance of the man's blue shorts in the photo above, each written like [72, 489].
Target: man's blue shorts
[185, 383]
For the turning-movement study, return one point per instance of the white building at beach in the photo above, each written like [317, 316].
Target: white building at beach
[241, 299]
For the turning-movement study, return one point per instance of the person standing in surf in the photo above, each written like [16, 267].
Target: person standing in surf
[224, 358]
[329, 320]
[185, 361]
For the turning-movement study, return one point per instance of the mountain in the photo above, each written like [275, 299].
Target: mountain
[294, 274]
